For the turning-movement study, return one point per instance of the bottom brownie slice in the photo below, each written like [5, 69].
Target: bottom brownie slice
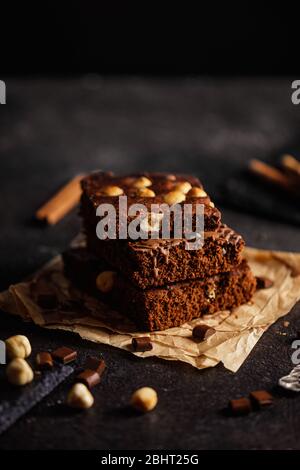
[163, 307]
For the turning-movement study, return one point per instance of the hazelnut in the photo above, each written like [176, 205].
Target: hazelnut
[151, 223]
[184, 187]
[105, 281]
[144, 399]
[80, 397]
[141, 182]
[211, 204]
[18, 346]
[211, 294]
[146, 192]
[174, 197]
[19, 372]
[112, 191]
[197, 192]
[171, 177]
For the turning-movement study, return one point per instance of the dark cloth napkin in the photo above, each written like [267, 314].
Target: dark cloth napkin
[244, 191]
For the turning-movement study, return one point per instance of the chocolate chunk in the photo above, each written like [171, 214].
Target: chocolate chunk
[240, 406]
[47, 301]
[142, 343]
[263, 282]
[64, 355]
[89, 377]
[93, 363]
[261, 398]
[202, 332]
[44, 360]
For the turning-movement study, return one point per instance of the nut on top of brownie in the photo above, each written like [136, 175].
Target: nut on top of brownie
[147, 189]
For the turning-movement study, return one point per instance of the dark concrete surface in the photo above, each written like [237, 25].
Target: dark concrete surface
[50, 130]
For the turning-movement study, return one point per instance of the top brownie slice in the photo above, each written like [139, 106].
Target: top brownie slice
[147, 189]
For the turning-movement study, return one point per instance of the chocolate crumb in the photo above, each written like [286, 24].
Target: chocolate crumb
[240, 406]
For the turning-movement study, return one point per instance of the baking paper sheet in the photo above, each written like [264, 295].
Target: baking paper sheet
[237, 332]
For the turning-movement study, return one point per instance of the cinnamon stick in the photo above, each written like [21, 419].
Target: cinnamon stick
[272, 175]
[61, 203]
[292, 166]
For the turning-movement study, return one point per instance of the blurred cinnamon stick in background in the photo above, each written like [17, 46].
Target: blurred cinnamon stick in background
[291, 166]
[61, 203]
[276, 177]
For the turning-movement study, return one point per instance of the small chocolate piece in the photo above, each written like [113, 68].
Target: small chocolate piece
[142, 343]
[202, 332]
[93, 363]
[64, 355]
[47, 301]
[240, 406]
[44, 360]
[89, 377]
[261, 398]
[263, 282]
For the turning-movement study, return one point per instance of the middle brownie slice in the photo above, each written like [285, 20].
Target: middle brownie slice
[154, 263]
[164, 307]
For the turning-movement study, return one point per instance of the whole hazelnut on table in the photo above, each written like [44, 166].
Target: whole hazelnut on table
[19, 372]
[80, 397]
[18, 346]
[144, 399]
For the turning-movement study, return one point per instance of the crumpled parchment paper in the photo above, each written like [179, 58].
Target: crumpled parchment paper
[237, 331]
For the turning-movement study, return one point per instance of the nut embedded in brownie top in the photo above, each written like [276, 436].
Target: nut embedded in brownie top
[147, 189]
[100, 185]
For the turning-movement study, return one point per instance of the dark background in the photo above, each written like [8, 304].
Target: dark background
[177, 90]
[156, 38]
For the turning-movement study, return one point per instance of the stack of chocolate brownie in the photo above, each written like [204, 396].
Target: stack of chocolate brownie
[158, 283]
